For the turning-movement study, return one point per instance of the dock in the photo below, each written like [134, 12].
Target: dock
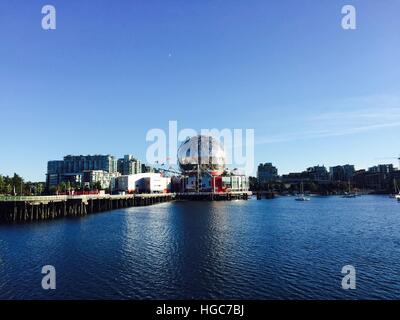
[24, 209]
[214, 196]
[40, 208]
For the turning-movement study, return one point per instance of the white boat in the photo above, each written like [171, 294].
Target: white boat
[349, 194]
[301, 196]
[396, 194]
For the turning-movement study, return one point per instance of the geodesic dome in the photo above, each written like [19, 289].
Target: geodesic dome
[203, 151]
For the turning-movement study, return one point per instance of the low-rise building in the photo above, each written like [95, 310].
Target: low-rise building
[379, 177]
[295, 177]
[148, 182]
[129, 165]
[266, 173]
[318, 174]
[342, 173]
[381, 168]
[98, 178]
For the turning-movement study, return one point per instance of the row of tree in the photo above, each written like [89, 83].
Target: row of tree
[338, 187]
[16, 185]
[67, 187]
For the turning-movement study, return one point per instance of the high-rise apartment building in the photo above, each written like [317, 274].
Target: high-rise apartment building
[71, 168]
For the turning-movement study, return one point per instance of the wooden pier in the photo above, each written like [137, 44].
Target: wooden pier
[30, 209]
[41, 208]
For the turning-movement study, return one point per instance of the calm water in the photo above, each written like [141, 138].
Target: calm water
[269, 249]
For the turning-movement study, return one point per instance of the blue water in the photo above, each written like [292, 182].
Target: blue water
[268, 249]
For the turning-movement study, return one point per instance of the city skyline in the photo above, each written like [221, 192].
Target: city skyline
[98, 85]
[134, 162]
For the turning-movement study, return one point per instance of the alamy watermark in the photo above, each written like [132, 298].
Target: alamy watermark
[49, 20]
[349, 280]
[49, 280]
[238, 145]
[348, 21]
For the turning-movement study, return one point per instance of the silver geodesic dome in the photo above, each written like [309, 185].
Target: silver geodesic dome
[205, 151]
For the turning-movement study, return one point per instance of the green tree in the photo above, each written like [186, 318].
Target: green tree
[62, 186]
[8, 189]
[312, 187]
[97, 185]
[40, 188]
[1, 184]
[18, 183]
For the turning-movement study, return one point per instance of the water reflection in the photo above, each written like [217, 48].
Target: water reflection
[252, 249]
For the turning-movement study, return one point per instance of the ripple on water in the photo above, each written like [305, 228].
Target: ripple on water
[278, 249]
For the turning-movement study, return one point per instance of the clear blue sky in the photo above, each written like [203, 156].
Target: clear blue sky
[313, 92]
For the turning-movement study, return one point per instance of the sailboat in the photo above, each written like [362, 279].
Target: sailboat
[349, 194]
[396, 190]
[301, 196]
[396, 193]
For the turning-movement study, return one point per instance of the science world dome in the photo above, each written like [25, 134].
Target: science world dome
[202, 152]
